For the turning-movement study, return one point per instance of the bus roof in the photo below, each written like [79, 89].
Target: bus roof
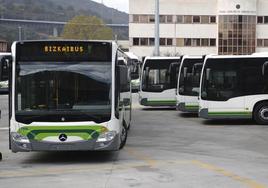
[161, 58]
[192, 57]
[66, 40]
[131, 55]
[4, 53]
[256, 55]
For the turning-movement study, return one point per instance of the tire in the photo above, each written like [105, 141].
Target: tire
[123, 136]
[261, 113]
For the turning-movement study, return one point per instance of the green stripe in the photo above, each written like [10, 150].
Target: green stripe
[192, 107]
[162, 102]
[231, 113]
[39, 133]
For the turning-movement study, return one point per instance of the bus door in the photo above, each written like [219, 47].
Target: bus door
[224, 88]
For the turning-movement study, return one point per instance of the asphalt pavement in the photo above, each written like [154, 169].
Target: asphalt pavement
[165, 148]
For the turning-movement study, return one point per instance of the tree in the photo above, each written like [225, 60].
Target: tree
[87, 28]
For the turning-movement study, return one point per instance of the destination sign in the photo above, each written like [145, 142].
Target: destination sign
[63, 51]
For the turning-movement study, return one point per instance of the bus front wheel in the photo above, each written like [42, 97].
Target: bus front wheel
[261, 113]
[123, 136]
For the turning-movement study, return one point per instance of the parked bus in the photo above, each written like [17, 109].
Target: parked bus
[159, 78]
[189, 83]
[235, 87]
[135, 64]
[4, 73]
[69, 96]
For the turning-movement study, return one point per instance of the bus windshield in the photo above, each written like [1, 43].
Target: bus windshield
[63, 91]
[189, 82]
[160, 75]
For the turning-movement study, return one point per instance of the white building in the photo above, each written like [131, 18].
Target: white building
[197, 27]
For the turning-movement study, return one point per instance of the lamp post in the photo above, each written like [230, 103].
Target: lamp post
[20, 33]
[156, 47]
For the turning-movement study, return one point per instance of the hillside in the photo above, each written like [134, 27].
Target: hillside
[110, 15]
[55, 10]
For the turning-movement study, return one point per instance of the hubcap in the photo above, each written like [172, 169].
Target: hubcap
[264, 113]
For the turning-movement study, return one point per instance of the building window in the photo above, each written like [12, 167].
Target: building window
[260, 42]
[212, 42]
[151, 42]
[212, 19]
[144, 41]
[180, 42]
[265, 42]
[265, 19]
[237, 35]
[162, 19]
[169, 19]
[187, 42]
[180, 19]
[169, 42]
[151, 19]
[136, 18]
[204, 19]
[204, 42]
[195, 42]
[196, 19]
[188, 19]
[136, 41]
[143, 19]
[162, 42]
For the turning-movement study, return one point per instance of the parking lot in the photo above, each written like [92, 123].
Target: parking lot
[164, 149]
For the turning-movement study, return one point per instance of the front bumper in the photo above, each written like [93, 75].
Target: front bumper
[187, 108]
[90, 145]
[146, 102]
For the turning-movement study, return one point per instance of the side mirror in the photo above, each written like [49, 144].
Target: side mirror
[4, 67]
[204, 94]
[181, 90]
[123, 75]
[208, 74]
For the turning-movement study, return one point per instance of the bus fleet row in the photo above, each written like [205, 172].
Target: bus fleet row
[216, 87]
[76, 95]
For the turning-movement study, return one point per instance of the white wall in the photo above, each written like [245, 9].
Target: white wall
[148, 51]
[262, 31]
[262, 7]
[174, 7]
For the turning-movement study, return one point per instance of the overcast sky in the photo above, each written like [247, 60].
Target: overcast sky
[121, 5]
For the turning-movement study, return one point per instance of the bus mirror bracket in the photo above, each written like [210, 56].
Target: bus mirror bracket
[264, 71]
[185, 72]
[208, 74]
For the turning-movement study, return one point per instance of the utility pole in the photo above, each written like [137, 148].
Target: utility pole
[20, 33]
[156, 48]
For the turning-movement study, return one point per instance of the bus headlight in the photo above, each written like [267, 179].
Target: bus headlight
[19, 138]
[106, 137]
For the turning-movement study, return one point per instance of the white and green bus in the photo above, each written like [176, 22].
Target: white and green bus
[159, 76]
[135, 64]
[234, 87]
[189, 83]
[4, 73]
[69, 96]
